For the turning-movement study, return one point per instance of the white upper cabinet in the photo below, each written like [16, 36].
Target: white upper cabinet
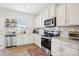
[45, 14]
[61, 14]
[36, 22]
[48, 13]
[67, 14]
[42, 19]
[52, 11]
[39, 20]
[73, 13]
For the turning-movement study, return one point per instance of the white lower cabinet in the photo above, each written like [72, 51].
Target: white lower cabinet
[69, 49]
[69, 52]
[2, 40]
[24, 39]
[37, 40]
[56, 45]
[28, 38]
[63, 48]
[19, 40]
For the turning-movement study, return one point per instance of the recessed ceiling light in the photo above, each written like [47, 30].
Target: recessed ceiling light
[27, 7]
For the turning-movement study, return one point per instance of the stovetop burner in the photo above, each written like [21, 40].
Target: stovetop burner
[46, 36]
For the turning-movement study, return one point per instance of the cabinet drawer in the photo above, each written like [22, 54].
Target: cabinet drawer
[56, 53]
[56, 41]
[69, 45]
[70, 52]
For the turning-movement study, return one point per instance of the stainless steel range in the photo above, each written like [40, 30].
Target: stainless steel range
[46, 40]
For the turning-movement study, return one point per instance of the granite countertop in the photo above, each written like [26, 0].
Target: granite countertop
[67, 39]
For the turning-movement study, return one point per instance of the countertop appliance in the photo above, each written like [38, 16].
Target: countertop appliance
[74, 34]
[36, 30]
[46, 40]
[50, 22]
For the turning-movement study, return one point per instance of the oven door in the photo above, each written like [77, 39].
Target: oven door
[46, 42]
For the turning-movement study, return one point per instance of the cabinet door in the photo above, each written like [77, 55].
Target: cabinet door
[56, 46]
[24, 39]
[42, 19]
[61, 14]
[36, 22]
[2, 32]
[36, 39]
[39, 41]
[73, 13]
[39, 20]
[27, 38]
[69, 52]
[52, 11]
[19, 40]
[69, 49]
[2, 39]
[46, 14]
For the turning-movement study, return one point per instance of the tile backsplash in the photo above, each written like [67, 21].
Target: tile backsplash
[64, 30]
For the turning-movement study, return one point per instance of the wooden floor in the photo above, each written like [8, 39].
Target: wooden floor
[32, 50]
[21, 48]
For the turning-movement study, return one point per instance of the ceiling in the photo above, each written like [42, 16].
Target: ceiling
[31, 8]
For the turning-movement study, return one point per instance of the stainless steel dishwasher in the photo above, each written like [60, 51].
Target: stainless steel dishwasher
[10, 41]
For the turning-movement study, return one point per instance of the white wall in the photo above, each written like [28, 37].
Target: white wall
[5, 13]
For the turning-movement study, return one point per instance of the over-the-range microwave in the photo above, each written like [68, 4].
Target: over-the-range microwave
[50, 22]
